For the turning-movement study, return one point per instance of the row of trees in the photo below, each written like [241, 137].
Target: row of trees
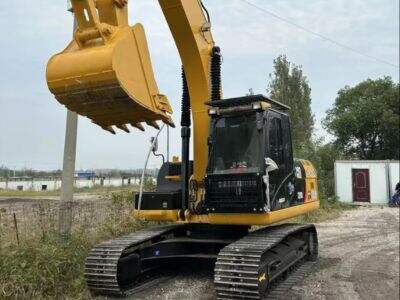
[7, 172]
[363, 121]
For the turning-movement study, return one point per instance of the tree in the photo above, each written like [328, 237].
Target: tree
[325, 155]
[288, 85]
[365, 120]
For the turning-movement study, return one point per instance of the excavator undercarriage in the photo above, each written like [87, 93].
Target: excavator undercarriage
[247, 264]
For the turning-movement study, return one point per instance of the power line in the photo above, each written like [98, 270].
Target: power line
[276, 16]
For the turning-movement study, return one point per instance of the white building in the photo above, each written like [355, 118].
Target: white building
[371, 181]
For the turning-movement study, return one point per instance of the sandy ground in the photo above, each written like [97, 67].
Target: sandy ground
[359, 259]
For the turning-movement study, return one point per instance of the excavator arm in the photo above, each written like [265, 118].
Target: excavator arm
[106, 74]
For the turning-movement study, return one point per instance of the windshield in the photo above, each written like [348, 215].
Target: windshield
[236, 145]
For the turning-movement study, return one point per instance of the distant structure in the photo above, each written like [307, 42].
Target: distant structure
[82, 179]
[368, 181]
[85, 175]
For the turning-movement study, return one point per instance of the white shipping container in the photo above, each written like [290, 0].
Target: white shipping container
[371, 181]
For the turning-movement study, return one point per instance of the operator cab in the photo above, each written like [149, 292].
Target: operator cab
[244, 133]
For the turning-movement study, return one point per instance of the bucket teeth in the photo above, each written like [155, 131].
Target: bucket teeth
[138, 126]
[169, 122]
[124, 128]
[153, 124]
[109, 129]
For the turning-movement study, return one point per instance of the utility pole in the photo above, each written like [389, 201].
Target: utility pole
[167, 143]
[67, 186]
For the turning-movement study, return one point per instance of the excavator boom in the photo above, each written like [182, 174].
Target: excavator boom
[192, 34]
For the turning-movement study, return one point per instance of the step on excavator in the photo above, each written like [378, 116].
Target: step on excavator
[242, 174]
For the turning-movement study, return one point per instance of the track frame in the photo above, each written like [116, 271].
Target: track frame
[247, 264]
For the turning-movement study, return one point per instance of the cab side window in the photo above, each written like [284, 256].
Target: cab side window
[276, 147]
[287, 142]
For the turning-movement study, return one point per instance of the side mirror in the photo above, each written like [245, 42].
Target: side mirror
[271, 164]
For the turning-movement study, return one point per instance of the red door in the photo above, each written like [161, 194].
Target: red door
[361, 185]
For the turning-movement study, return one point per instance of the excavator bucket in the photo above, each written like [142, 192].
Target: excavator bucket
[105, 73]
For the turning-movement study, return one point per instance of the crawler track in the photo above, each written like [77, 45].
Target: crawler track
[249, 267]
[105, 267]
[295, 276]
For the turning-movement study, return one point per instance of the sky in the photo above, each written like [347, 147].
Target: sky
[32, 122]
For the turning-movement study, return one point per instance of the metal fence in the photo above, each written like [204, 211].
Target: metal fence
[22, 222]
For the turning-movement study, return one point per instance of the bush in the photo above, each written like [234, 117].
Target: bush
[40, 266]
[149, 184]
[330, 208]
[44, 269]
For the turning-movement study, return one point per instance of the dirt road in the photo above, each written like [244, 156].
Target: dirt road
[359, 259]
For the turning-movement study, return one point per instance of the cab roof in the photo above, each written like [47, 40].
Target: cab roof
[231, 102]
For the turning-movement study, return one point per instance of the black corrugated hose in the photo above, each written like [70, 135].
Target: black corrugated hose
[216, 81]
[185, 134]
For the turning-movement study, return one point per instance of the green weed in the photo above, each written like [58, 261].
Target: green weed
[40, 267]
[330, 208]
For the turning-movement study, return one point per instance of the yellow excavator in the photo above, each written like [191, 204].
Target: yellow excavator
[242, 174]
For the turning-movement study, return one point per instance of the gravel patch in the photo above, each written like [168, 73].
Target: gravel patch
[359, 259]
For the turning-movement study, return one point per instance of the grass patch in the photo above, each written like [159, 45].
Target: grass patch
[97, 189]
[43, 269]
[330, 208]
[40, 267]
[28, 193]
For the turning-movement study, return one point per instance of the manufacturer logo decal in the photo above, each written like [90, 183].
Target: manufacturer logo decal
[262, 277]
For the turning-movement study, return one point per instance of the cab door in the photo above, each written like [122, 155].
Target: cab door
[279, 148]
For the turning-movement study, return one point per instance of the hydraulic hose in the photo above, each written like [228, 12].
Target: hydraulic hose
[185, 104]
[216, 81]
[145, 167]
[185, 134]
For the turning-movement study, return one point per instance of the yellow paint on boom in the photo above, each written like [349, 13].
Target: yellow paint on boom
[105, 73]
